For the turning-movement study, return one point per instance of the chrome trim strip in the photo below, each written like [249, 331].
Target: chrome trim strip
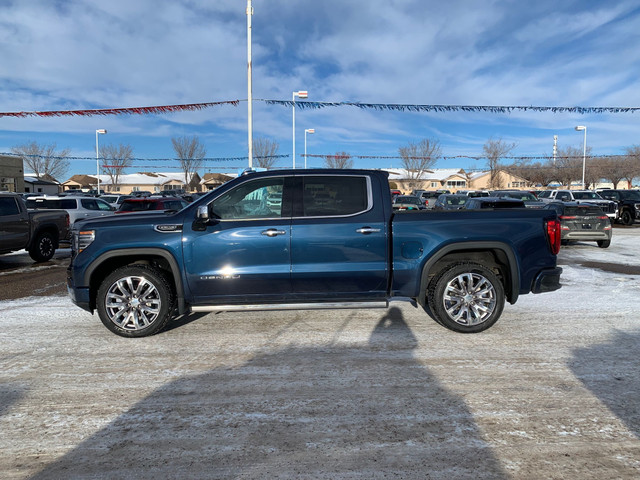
[289, 306]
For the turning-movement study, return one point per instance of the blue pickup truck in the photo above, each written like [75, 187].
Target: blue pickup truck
[309, 239]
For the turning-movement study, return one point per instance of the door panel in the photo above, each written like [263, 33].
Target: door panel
[339, 241]
[243, 256]
[233, 260]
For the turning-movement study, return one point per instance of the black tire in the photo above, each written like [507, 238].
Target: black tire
[43, 248]
[604, 243]
[466, 298]
[135, 301]
[626, 217]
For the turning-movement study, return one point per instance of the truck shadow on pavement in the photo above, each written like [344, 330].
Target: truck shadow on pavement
[332, 411]
[611, 371]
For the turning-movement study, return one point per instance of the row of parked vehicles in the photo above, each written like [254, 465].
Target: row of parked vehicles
[584, 214]
[39, 224]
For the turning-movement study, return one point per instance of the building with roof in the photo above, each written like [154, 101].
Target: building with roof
[452, 179]
[11, 174]
[135, 182]
[33, 184]
[211, 181]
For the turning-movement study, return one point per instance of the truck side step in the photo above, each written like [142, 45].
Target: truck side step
[288, 306]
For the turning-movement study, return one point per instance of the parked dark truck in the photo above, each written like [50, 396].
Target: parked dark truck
[628, 204]
[37, 232]
[331, 242]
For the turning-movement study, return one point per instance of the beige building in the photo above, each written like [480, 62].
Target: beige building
[134, 182]
[453, 179]
[80, 182]
[211, 181]
[11, 174]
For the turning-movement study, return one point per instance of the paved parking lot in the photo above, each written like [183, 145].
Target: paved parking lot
[551, 391]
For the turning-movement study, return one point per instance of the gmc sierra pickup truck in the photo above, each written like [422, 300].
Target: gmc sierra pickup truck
[37, 232]
[331, 240]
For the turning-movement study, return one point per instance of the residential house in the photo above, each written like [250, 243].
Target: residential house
[34, 184]
[211, 181]
[80, 182]
[452, 179]
[148, 182]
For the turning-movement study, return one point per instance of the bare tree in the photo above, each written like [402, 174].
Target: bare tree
[535, 173]
[339, 160]
[632, 164]
[418, 158]
[495, 150]
[190, 153]
[43, 160]
[265, 152]
[568, 166]
[116, 159]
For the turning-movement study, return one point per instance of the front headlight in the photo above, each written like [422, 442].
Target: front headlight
[83, 239]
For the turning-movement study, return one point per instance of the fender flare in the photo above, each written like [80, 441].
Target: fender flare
[513, 264]
[141, 252]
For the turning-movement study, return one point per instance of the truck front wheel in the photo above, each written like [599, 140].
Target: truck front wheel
[466, 298]
[43, 247]
[135, 301]
[626, 217]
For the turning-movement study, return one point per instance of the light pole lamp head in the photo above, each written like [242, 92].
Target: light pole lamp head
[579, 128]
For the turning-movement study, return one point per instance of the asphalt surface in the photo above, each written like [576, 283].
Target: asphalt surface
[550, 391]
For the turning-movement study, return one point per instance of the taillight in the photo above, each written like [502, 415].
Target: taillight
[567, 217]
[604, 217]
[553, 235]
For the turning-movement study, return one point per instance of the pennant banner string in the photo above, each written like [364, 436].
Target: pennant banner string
[162, 109]
[206, 159]
[451, 108]
[121, 111]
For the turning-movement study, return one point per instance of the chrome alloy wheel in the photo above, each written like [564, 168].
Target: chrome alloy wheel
[133, 303]
[469, 299]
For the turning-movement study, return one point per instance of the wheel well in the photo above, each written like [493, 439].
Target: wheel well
[113, 263]
[494, 259]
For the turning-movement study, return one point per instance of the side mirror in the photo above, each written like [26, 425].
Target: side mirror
[202, 219]
[202, 213]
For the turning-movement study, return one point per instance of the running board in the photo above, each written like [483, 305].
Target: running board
[288, 306]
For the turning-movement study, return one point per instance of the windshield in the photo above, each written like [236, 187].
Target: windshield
[408, 200]
[524, 196]
[586, 196]
[455, 199]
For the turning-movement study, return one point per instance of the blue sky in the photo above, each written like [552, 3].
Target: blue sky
[80, 54]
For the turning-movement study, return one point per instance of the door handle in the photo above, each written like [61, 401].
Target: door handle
[272, 232]
[367, 230]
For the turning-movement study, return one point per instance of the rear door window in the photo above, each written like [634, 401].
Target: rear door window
[330, 196]
[8, 206]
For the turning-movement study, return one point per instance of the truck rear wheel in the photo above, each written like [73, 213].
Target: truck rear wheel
[43, 248]
[466, 298]
[135, 301]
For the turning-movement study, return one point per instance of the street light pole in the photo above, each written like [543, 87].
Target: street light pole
[311, 131]
[301, 94]
[584, 153]
[101, 131]
[249, 85]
